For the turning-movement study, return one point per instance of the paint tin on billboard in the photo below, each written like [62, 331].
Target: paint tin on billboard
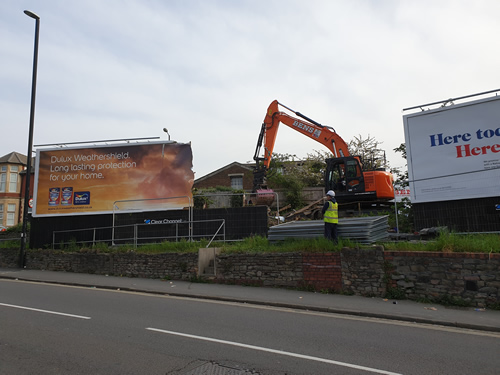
[54, 196]
[67, 196]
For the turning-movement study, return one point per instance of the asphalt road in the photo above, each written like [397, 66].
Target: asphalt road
[54, 329]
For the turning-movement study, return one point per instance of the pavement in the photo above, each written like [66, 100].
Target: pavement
[376, 307]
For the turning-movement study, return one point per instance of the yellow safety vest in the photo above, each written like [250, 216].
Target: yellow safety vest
[332, 213]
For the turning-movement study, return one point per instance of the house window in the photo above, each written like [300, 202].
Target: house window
[1, 213]
[13, 180]
[11, 214]
[3, 181]
[236, 182]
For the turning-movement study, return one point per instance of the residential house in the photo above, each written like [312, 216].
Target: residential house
[12, 177]
[240, 176]
[236, 175]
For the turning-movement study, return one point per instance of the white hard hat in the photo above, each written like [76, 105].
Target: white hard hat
[331, 193]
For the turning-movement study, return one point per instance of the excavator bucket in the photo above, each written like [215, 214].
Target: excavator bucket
[265, 197]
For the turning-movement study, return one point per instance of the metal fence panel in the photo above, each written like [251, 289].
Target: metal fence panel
[364, 230]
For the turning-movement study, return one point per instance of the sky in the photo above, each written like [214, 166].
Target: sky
[208, 69]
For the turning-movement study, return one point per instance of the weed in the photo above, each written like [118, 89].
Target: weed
[347, 292]
[424, 300]
[197, 279]
[10, 244]
[448, 300]
[395, 293]
[494, 306]
[306, 287]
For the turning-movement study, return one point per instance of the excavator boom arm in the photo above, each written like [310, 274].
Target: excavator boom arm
[310, 128]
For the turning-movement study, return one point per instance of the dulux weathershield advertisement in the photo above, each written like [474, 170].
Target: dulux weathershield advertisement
[76, 181]
[454, 152]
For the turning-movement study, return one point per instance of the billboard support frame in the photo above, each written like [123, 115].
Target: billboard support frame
[126, 140]
[451, 100]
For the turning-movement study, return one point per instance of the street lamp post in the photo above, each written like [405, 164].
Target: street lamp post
[22, 255]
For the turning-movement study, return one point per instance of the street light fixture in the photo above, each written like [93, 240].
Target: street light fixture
[166, 131]
[22, 255]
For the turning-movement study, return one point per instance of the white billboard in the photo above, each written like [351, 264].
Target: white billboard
[454, 152]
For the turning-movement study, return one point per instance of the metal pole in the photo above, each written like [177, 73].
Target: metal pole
[135, 236]
[396, 210]
[22, 253]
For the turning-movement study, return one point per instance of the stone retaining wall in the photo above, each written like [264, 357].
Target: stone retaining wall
[363, 271]
[173, 266]
[281, 270]
[473, 278]
[465, 277]
[320, 271]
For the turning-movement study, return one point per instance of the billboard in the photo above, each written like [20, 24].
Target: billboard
[453, 152]
[77, 181]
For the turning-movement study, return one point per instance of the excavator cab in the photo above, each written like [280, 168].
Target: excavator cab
[345, 177]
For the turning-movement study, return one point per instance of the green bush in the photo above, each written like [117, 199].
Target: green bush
[18, 228]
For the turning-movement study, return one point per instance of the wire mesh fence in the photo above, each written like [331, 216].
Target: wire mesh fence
[141, 233]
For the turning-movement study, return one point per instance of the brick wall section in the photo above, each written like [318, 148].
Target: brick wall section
[474, 278]
[322, 271]
[363, 271]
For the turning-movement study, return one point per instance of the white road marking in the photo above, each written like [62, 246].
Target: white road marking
[428, 326]
[45, 311]
[281, 352]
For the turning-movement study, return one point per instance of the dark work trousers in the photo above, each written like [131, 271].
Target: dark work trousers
[331, 231]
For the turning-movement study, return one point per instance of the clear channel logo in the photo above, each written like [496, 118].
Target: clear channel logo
[162, 221]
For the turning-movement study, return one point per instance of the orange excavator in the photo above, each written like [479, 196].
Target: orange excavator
[343, 173]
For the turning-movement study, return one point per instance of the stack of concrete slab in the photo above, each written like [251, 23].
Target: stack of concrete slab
[363, 230]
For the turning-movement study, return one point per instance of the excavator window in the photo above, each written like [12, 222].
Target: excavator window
[353, 173]
[344, 175]
[352, 169]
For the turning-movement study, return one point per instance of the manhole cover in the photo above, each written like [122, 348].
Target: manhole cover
[210, 368]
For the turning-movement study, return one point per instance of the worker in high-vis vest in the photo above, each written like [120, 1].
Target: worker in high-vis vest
[331, 216]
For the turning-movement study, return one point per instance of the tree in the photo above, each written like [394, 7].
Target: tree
[405, 209]
[284, 174]
[368, 149]
[313, 168]
[401, 176]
